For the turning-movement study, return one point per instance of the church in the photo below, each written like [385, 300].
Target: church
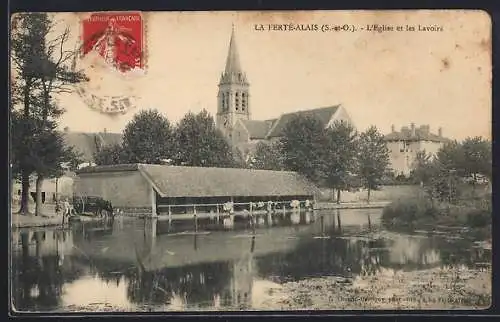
[234, 109]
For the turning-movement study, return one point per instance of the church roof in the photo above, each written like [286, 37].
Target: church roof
[86, 143]
[258, 129]
[323, 114]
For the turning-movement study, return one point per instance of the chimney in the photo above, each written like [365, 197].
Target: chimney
[440, 132]
[412, 129]
[105, 130]
[66, 129]
[393, 128]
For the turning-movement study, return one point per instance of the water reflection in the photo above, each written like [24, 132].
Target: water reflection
[140, 264]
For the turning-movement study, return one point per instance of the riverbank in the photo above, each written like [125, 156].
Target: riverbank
[29, 221]
[437, 288]
[53, 219]
[473, 215]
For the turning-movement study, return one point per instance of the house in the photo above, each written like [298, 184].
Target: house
[87, 144]
[404, 145]
[146, 189]
[234, 109]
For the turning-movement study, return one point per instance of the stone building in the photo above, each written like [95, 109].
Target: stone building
[234, 109]
[404, 145]
[146, 189]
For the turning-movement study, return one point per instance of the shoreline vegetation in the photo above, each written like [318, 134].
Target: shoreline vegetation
[470, 215]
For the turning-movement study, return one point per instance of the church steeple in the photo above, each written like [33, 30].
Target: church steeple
[233, 96]
[233, 58]
[233, 72]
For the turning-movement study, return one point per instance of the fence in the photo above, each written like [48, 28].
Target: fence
[242, 208]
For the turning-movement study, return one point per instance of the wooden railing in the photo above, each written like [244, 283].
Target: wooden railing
[229, 208]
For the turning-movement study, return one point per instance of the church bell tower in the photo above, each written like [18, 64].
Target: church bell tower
[233, 97]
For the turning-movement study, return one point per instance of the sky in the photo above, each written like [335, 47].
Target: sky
[442, 78]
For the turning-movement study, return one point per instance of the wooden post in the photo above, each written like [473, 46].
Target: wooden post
[338, 220]
[169, 214]
[154, 223]
[153, 202]
[218, 213]
[195, 219]
[369, 222]
[57, 196]
[284, 208]
[251, 214]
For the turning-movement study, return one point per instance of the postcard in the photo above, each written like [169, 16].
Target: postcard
[250, 161]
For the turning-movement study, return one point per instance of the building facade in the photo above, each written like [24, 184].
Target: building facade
[234, 117]
[408, 142]
[163, 189]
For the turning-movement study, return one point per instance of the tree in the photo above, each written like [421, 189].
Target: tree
[303, 144]
[459, 160]
[267, 156]
[28, 33]
[340, 155]
[477, 158]
[200, 144]
[373, 158]
[111, 154]
[51, 156]
[147, 138]
[422, 168]
[451, 157]
[41, 68]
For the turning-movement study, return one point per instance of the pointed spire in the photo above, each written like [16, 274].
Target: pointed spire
[233, 58]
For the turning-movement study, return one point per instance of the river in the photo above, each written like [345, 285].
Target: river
[153, 265]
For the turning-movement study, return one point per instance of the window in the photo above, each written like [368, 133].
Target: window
[237, 100]
[243, 101]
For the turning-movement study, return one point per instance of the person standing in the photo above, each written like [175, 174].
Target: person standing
[66, 210]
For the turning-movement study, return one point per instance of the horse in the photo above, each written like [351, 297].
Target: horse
[106, 206]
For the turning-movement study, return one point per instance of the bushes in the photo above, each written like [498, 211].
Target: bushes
[409, 213]
[420, 212]
[480, 213]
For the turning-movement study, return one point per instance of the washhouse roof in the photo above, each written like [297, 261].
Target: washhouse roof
[182, 181]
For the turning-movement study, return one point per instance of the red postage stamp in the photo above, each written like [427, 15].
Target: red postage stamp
[117, 37]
